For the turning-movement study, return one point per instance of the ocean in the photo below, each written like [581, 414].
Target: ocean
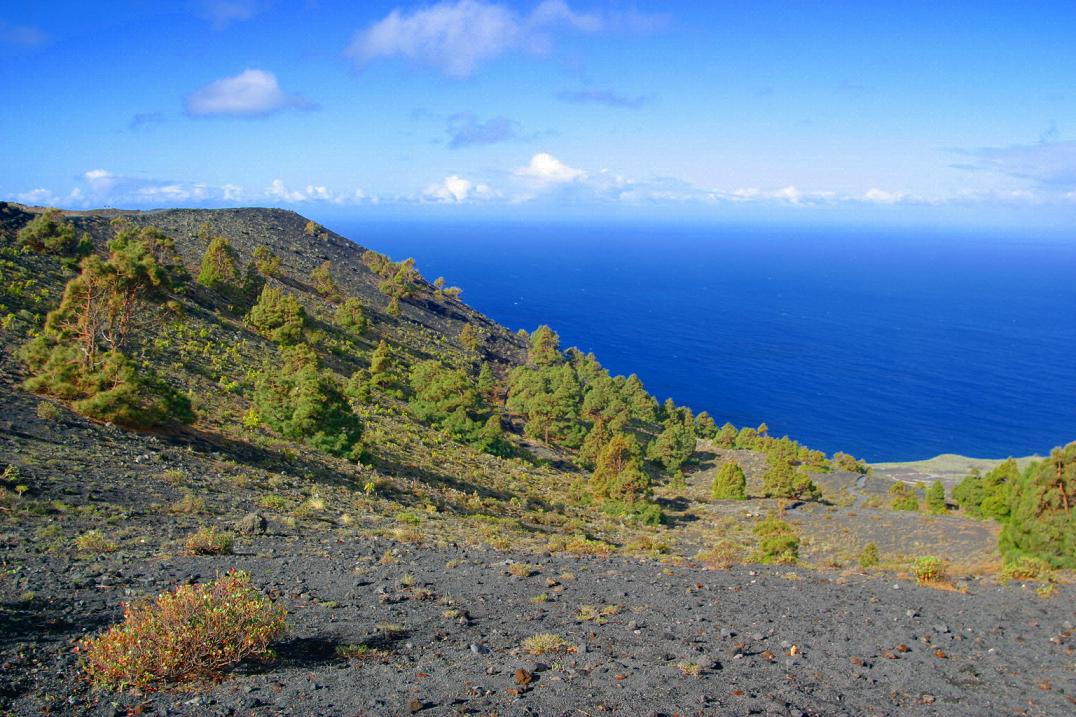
[890, 345]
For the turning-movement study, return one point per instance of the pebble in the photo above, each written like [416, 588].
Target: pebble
[479, 649]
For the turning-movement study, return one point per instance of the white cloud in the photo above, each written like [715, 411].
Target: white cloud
[790, 195]
[456, 189]
[880, 196]
[251, 93]
[278, 191]
[39, 196]
[457, 36]
[101, 181]
[547, 169]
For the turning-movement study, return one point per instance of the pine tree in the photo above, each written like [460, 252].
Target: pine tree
[544, 348]
[936, 498]
[350, 316]
[80, 353]
[470, 338]
[322, 280]
[674, 445]
[50, 233]
[902, 497]
[643, 405]
[618, 473]
[782, 480]
[730, 483]
[278, 315]
[705, 426]
[1042, 511]
[300, 401]
[219, 266]
[487, 384]
[266, 262]
[726, 437]
[381, 361]
[597, 437]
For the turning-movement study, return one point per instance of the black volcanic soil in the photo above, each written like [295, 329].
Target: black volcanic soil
[994, 650]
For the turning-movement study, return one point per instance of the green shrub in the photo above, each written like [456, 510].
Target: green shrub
[93, 542]
[209, 541]
[869, 557]
[79, 355]
[273, 502]
[845, 462]
[47, 411]
[618, 473]
[730, 483]
[300, 401]
[265, 261]
[193, 634]
[350, 317]
[1027, 567]
[50, 233]
[219, 268]
[936, 498]
[988, 496]
[278, 315]
[777, 542]
[189, 504]
[783, 480]
[902, 497]
[928, 569]
[544, 643]
[322, 280]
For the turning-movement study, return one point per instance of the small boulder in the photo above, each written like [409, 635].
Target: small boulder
[250, 524]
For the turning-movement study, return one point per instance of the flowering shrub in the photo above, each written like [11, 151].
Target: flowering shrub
[194, 633]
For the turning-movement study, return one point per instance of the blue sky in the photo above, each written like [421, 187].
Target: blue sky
[928, 113]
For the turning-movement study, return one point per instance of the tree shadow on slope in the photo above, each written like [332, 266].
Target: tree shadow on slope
[676, 511]
[428, 477]
[248, 454]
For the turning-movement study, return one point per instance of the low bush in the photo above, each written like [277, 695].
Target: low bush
[1027, 567]
[902, 497]
[722, 556]
[94, 542]
[48, 411]
[777, 542]
[544, 643]
[209, 541]
[193, 634]
[869, 557]
[928, 569]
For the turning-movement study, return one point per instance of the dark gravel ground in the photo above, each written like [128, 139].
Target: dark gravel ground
[865, 645]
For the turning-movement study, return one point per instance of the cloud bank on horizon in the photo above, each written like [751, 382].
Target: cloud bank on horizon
[594, 107]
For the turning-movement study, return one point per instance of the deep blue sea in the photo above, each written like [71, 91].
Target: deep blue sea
[891, 345]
